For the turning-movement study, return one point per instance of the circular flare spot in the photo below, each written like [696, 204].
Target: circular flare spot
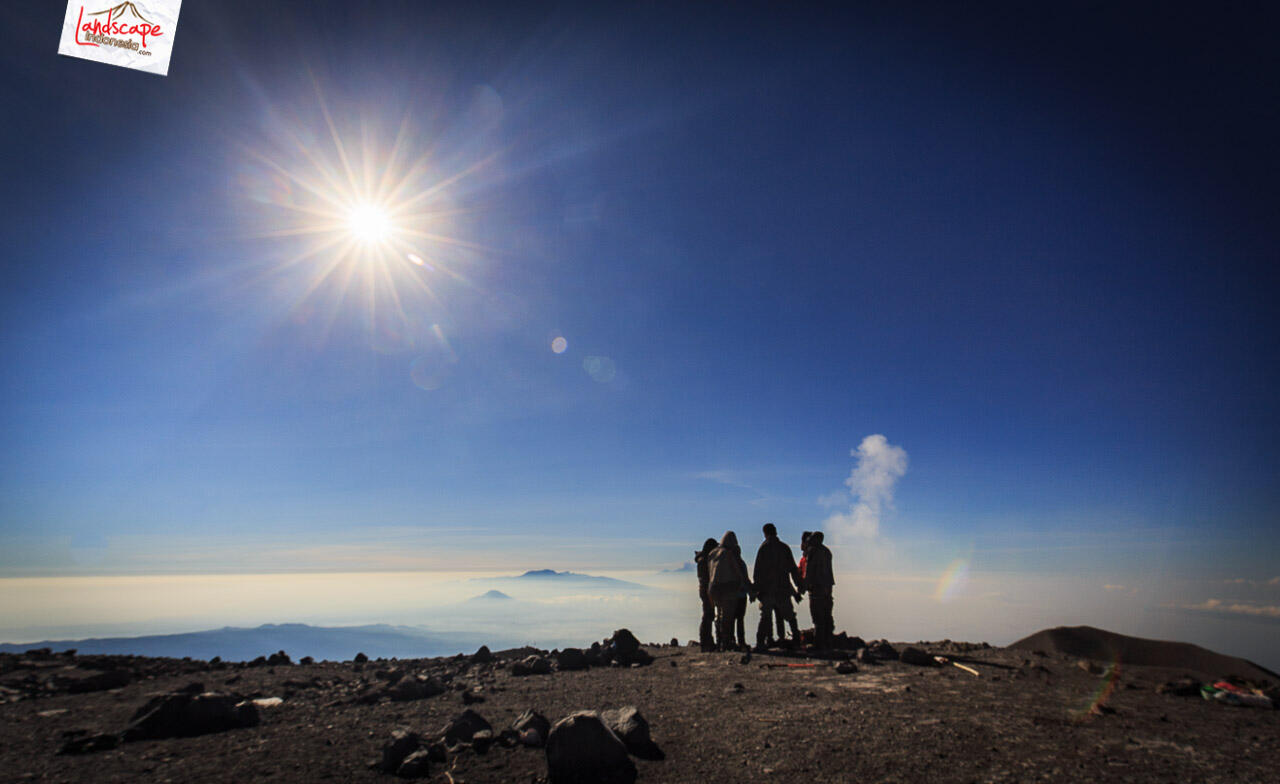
[559, 345]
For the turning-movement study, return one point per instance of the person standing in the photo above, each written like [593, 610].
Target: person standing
[819, 579]
[775, 572]
[727, 580]
[701, 558]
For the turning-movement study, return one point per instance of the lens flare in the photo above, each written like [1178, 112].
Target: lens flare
[559, 345]
[350, 206]
[953, 580]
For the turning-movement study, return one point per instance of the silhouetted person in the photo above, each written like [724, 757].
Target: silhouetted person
[727, 581]
[700, 558]
[774, 576]
[818, 579]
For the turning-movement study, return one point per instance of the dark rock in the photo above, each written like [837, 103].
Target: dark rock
[571, 659]
[881, 649]
[531, 665]
[182, 715]
[633, 730]
[111, 679]
[482, 740]
[846, 667]
[40, 653]
[1183, 687]
[532, 728]
[279, 658]
[395, 751]
[216, 660]
[736, 688]
[581, 749]
[674, 643]
[261, 661]
[626, 650]
[306, 660]
[482, 656]
[418, 687]
[86, 744]
[463, 727]
[390, 675]
[917, 657]
[437, 752]
[360, 658]
[415, 766]
[471, 697]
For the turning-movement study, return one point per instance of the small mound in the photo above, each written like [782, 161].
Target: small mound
[1087, 642]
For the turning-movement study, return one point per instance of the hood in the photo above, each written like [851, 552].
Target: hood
[730, 540]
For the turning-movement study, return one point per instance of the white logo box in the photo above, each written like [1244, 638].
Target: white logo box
[132, 34]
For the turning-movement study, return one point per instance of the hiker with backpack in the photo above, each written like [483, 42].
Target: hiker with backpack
[728, 583]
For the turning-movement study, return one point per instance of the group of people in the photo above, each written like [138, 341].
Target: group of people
[726, 588]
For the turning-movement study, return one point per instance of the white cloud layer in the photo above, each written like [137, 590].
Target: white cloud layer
[871, 485]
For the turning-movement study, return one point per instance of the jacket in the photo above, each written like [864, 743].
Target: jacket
[775, 570]
[818, 577]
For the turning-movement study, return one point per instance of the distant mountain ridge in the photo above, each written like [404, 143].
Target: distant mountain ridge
[552, 577]
[333, 643]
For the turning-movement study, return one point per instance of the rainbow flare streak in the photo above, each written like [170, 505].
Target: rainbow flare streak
[952, 581]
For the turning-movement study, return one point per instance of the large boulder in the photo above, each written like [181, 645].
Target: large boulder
[463, 727]
[571, 659]
[184, 714]
[531, 665]
[917, 657]
[397, 750]
[581, 749]
[416, 688]
[626, 649]
[482, 656]
[531, 728]
[415, 766]
[633, 730]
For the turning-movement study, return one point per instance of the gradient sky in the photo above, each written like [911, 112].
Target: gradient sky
[1033, 249]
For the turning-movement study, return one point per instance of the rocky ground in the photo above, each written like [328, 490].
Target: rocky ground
[712, 717]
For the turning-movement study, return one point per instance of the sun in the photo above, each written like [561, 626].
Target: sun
[369, 223]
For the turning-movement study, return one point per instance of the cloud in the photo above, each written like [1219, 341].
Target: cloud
[1273, 582]
[871, 482]
[1236, 608]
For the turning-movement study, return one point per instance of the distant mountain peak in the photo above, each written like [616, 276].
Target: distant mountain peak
[495, 594]
[545, 573]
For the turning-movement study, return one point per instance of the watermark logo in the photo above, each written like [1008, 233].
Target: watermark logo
[130, 34]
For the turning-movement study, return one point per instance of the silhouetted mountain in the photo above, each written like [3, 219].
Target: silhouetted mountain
[491, 596]
[238, 644]
[687, 566]
[550, 577]
[1090, 643]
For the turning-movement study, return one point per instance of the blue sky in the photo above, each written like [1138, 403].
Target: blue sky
[1030, 248]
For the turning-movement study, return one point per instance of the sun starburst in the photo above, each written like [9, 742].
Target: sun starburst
[360, 216]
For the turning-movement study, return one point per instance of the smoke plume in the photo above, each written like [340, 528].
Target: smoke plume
[879, 467]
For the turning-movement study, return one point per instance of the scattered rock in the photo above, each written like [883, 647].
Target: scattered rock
[633, 730]
[482, 656]
[531, 727]
[917, 657]
[360, 658]
[184, 714]
[531, 665]
[626, 649]
[736, 688]
[418, 687]
[1183, 687]
[581, 749]
[86, 744]
[111, 679]
[571, 659]
[881, 649]
[307, 660]
[1091, 667]
[279, 658]
[395, 751]
[463, 727]
[846, 667]
[482, 740]
[417, 765]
